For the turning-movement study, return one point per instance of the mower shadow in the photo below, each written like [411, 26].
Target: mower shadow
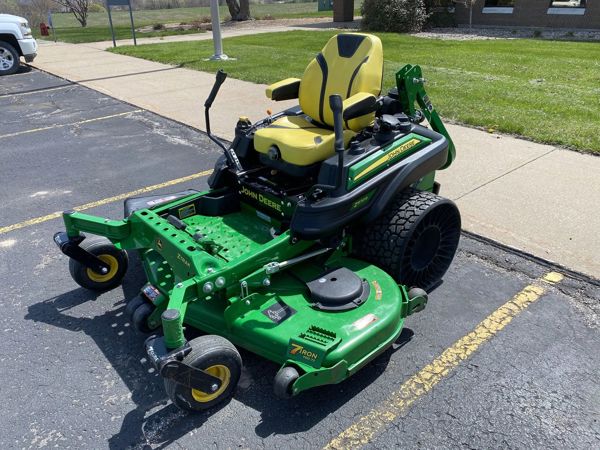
[155, 420]
[113, 335]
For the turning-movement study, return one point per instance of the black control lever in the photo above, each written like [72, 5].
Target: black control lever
[232, 158]
[221, 76]
[336, 104]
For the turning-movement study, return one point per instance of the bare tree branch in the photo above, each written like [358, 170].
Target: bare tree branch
[79, 8]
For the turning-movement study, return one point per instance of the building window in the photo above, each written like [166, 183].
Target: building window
[567, 7]
[498, 6]
[567, 4]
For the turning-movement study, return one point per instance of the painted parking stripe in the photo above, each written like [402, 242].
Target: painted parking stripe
[367, 427]
[116, 198]
[62, 125]
[36, 91]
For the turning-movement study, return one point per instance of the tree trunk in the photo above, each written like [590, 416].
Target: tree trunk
[239, 9]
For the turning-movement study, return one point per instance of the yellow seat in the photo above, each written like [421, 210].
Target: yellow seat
[299, 141]
[350, 65]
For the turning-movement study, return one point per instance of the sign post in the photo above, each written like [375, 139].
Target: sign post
[127, 3]
[51, 25]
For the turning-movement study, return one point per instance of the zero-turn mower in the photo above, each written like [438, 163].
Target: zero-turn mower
[320, 233]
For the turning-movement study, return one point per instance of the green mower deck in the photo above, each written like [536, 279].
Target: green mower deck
[269, 311]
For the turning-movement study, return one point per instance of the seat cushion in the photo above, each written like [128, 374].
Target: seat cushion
[299, 141]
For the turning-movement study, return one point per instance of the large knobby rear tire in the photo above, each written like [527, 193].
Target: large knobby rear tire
[414, 240]
[217, 356]
[116, 259]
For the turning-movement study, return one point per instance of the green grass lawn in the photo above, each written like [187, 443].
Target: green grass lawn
[79, 35]
[547, 91]
[69, 30]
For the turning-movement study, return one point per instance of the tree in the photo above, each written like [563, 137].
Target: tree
[79, 8]
[35, 11]
[239, 9]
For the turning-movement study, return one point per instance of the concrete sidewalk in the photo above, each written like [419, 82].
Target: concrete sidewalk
[226, 31]
[537, 198]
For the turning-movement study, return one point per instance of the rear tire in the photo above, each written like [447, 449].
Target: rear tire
[107, 252]
[414, 240]
[220, 358]
[9, 59]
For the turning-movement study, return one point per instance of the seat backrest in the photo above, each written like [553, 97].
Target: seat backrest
[348, 64]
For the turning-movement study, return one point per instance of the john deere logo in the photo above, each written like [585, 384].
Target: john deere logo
[301, 351]
[261, 198]
[159, 244]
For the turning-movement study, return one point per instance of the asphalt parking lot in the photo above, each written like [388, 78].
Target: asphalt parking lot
[73, 374]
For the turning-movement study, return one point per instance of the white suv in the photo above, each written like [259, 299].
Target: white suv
[15, 41]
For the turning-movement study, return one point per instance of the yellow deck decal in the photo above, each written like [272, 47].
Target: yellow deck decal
[388, 157]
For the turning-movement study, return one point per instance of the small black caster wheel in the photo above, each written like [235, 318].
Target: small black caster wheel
[217, 356]
[284, 381]
[415, 292]
[139, 319]
[111, 255]
[419, 299]
[132, 305]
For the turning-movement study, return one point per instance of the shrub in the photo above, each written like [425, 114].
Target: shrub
[96, 8]
[400, 16]
[441, 19]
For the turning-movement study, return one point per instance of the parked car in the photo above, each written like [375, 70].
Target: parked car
[16, 41]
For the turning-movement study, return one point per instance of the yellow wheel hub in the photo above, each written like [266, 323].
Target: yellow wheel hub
[223, 374]
[112, 271]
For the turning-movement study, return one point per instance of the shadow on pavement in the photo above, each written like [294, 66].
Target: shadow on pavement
[24, 68]
[155, 420]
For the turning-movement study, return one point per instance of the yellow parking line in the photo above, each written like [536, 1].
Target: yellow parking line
[61, 125]
[116, 198]
[37, 91]
[363, 431]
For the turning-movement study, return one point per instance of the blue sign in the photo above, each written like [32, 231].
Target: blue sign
[117, 3]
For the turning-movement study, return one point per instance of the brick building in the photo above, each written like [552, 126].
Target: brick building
[531, 13]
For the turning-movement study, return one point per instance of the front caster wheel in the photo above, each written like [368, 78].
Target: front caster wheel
[217, 356]
[140, 316]
[117, 260]
[284, 381]
[132, 305]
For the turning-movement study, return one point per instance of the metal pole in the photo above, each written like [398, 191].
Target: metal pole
[112, 30]
[132, 25]
[216, 31]
[471, 14]
[51, 23]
